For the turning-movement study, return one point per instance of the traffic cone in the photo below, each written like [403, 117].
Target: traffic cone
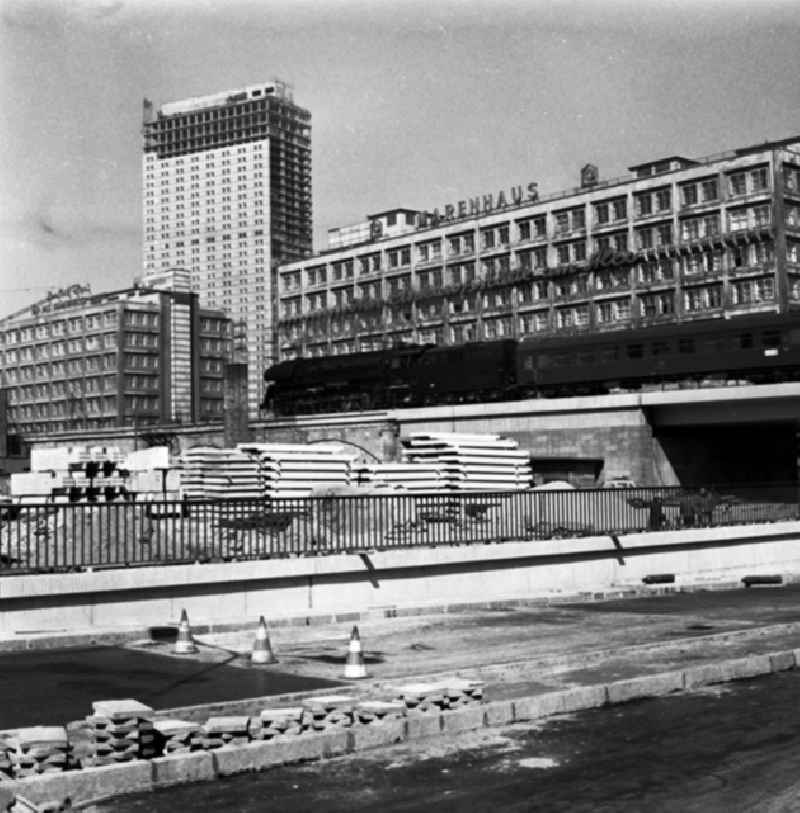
[354, 666]
[262, 651]
[184, 645]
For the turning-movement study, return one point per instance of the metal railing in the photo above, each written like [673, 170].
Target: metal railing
[50, 537]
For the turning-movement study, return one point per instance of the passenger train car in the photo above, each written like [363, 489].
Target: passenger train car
[756, 348]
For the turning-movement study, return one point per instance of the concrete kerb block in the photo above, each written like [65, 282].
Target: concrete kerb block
[255, 756]
[178, 769]
[467, 718]
[335, 743]
[499, 712]
[536, 706]
[704, 675]
[782, 661]
[748, 667]
[584, 697]
[88, 783]
[622, 691]
[377, 735]
[421, 724]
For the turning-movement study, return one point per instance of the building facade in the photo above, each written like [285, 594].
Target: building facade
[227, 195]
[140, 356]
[675, 240]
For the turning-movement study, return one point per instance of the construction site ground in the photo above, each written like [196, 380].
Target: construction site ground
[518, 649]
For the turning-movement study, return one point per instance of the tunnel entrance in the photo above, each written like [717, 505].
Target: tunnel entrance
[734, 454]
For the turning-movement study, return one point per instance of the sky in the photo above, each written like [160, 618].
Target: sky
[414, 104]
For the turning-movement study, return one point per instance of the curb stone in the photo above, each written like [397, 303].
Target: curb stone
[146, 775]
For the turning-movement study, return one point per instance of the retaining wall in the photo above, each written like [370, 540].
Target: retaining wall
[276, 588]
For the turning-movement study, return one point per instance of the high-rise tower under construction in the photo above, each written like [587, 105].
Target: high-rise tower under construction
[227, 196]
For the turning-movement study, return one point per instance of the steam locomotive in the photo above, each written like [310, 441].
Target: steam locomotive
[752, 349]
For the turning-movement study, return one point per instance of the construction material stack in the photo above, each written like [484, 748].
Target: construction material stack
[40, 749]
[119, 731]
[277, 722]
[441, 695]
[177, 736]
[228, 730]
[213, 474]
[299, 470]
[329, 711]
[379, 711]
[411, 477]
[471, 462]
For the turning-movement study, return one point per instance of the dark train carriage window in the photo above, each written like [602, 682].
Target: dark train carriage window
[609, 353]
[527, 363]
[794, 337]
[686, 345]
[635, 351]
[745, 340]
[771, 339]
[585, 357]
[660, 349]
[562, 359]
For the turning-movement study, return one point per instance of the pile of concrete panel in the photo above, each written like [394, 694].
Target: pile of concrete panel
[471, 462]
[415, 477]
[92, 473]
[210, 473]
[300, 470]
[276, 722]
[440, 695]
[379, 711]
[177, 736]
[40, 749]
[119, 731]
[225, 730]
[329, 711]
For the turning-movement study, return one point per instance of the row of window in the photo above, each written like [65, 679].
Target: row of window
[664, 269]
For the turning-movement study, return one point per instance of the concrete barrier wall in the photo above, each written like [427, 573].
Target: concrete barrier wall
[416, 577]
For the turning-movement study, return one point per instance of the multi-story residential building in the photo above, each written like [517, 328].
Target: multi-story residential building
[677, 239]
[140, 356]
[227, 195]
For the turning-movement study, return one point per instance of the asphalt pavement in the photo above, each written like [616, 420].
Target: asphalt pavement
[517, 649]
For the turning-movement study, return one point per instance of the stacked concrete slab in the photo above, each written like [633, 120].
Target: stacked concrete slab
[413, 477]
[91, 473]
[211, 474]
[40, 749]
[379, 711]
[440, 695]
[226, 730]
[276, 722]
[300, 470]
[119, 731]
[329, 711]
[177, 736]
[471, 462]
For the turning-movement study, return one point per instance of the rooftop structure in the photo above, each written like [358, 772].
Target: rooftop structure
[677, 239]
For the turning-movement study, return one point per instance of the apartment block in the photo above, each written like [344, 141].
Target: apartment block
[140, 356]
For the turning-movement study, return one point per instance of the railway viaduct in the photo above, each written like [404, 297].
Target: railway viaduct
[746, 433]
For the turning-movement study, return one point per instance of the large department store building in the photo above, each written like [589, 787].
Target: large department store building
[675, 240]
[227, 195]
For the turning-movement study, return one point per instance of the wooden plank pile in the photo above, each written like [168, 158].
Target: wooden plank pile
[119, 731]
[300, 470]
[276, 722]
[35, 750]
[233, 729]
[177, 736]
[328, 711]
[471, 462]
